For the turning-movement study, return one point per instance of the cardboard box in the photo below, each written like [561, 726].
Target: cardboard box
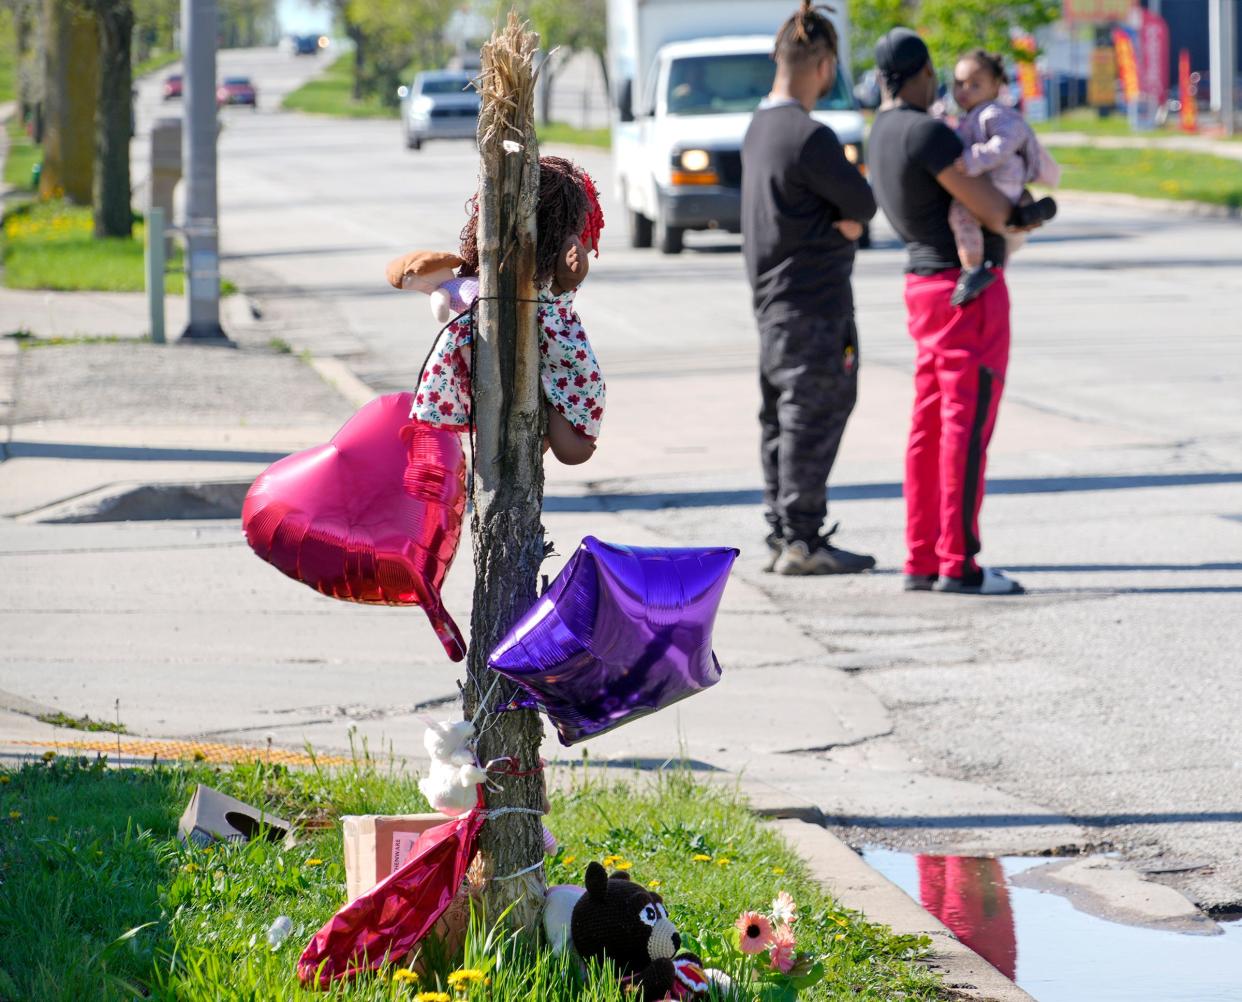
[216, 817]
[377, 844]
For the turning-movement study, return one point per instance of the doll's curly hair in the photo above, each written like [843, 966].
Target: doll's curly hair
[562, 211]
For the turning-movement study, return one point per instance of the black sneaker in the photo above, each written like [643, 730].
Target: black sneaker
[970, 284]
[1040, 211]
[986, 582]
[919, 582]
[818, 556]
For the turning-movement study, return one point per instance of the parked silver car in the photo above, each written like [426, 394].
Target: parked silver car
[440, 104]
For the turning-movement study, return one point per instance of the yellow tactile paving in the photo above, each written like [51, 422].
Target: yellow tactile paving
[189, 751]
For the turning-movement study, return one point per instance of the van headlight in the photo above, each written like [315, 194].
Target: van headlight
[695, 159]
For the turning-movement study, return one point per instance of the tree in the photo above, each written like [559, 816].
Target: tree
[950, 27]
[564, 27]
[390, 37]
[110, 193]
[508, 476]
[71, 55]
[869, 21]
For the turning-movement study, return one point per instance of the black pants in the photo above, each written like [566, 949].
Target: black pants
[808, 376]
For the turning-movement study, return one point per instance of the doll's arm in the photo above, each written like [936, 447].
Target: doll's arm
[568, 444]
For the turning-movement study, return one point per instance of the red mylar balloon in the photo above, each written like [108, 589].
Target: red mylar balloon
[373, 516]
[388, 921]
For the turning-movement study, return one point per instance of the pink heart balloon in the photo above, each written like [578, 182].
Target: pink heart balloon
[374, 516]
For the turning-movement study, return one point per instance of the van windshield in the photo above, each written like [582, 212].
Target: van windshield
[732, 84]
[445, 85]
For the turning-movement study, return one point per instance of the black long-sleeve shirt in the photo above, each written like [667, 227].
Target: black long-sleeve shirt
[796, 183]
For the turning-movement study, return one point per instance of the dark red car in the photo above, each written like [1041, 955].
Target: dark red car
[237, 90]
[172, 87]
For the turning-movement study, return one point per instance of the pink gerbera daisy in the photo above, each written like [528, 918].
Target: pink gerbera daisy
[782, 944]
[755, 932]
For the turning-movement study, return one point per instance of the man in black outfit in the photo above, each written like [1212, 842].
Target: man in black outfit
[803, 206]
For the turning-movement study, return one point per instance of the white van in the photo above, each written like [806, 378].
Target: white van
[688, 74]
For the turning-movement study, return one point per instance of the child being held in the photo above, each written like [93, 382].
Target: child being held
[1002, 145]
[568, 220]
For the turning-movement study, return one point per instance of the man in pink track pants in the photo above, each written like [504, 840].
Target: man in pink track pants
[962, 352]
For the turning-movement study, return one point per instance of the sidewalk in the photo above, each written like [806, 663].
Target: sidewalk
[1188, 144]
[178, 629]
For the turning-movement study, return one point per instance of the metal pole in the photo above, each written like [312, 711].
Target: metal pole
[1229, 65]
[155, 272]
[202, 258]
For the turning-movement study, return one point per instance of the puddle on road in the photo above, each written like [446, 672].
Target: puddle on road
[1052, 950]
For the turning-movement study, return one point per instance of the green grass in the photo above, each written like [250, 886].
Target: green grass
[50, 245]
[22, 156]
[99, 901]
[1087, 122]
[1152, 173]
[8, 56]
[62, 719]
[559, 132]
[154, 63]
[330, 94]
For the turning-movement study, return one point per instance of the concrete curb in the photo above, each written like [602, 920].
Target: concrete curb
[341, 378]
[853, 883]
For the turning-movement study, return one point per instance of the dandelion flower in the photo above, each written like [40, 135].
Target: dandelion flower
[404, 974]
[432, 997]
[314, 862]
[15, 815]
[465, 977]
[190, 868]
[4, 779]
[755, 932]
[778, 871]
[784, 909]
[839, 936]
[53, 818]
[701, 857]
[622, 864]
[609, 860]
[783, 943]
[723, 861]
[567, 860]
[653, 883]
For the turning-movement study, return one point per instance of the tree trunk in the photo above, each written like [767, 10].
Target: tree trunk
[113, 121]
[508, 475]
[70, 77]
[360, 63]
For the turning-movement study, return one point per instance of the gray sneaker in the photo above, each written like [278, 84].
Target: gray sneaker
[776, 546]
[819, 556]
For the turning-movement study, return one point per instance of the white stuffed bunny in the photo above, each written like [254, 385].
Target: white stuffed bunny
[451, 783]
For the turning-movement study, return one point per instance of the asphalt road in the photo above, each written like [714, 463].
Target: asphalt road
[1109, 697]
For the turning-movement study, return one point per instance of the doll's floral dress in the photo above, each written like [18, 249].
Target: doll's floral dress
[568, 370]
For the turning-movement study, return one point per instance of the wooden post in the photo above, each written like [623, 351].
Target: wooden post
[508, 475]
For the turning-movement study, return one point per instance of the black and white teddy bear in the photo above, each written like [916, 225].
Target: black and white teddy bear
[624, 922]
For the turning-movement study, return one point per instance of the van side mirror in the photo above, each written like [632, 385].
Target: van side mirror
[625, 100]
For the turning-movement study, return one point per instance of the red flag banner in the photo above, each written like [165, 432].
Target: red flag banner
[1190, 102]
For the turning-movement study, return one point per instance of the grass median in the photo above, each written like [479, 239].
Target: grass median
[331, 93]
[1152, 173]
[51, 245]
[99, 900]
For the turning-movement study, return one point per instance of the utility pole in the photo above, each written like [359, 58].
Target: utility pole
[508, 471]
[202, 236]
[1223, 68]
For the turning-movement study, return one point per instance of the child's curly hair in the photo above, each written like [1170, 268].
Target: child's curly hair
[562, 212]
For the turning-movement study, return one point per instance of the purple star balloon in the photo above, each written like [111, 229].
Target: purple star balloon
[623, 631]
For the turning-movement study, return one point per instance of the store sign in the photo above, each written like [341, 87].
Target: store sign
[1102, 87]
[1097, 11]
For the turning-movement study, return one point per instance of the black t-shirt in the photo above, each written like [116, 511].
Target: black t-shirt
[906, 150]
[796, 183]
